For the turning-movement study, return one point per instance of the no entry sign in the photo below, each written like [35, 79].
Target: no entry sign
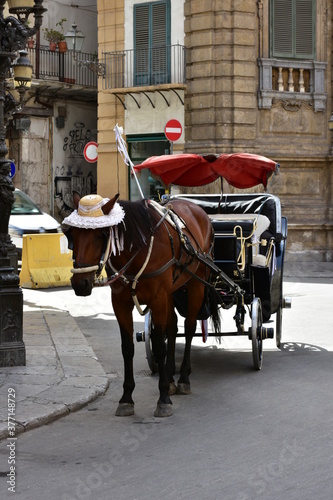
[90, 152]
[173, 130]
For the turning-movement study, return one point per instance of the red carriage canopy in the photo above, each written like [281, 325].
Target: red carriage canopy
[241, 170]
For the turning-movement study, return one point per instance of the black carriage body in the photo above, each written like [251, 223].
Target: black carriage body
[234, 218]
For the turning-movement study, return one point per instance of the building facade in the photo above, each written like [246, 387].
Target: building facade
[239, 76]
[46, 139]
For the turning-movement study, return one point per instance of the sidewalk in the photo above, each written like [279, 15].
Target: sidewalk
[62, 373]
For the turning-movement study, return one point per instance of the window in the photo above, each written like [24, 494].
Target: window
[291, 69]
[152, 43]
[140, 148]
[292, 28]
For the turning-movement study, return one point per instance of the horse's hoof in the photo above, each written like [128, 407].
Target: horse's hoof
[163, 410]
[125, 410]
[183, 388]
[172, 389]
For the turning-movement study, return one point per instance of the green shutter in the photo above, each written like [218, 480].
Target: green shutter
[293, 28]
[304, 30]
[151, 42]
[141, 44]
[282, 34]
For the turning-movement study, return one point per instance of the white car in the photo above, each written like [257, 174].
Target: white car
[27, 218]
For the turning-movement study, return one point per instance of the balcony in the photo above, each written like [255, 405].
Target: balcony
[145, 70]
[295, 82]
[64, 72]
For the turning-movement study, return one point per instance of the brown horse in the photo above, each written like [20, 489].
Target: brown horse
[150, 254]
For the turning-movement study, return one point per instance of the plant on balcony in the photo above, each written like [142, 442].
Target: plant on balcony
[31, 40]
[62, 45]
[55, 37]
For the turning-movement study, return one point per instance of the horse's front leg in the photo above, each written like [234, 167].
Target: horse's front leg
[124, 316]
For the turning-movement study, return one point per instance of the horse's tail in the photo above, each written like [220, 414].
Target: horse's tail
[213, 304]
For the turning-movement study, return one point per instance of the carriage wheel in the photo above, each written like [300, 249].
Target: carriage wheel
[149, 351]
[256, 333]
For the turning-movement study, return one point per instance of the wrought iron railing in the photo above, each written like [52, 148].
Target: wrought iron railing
[63, 67]
[144, 67]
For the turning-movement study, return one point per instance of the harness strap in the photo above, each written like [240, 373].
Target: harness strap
[117, 274]
[135, 281]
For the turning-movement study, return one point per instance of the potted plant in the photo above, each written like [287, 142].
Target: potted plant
[52, 36]
[55, 37]
[30, 41]
[62, 45]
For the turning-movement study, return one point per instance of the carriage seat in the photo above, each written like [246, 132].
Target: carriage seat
[253, 225]
[237, 239]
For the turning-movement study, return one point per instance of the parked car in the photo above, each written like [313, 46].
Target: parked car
[27, 218]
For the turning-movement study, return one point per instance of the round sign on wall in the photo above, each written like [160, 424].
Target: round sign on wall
[173, 130]
[90, 152]
[12, 169]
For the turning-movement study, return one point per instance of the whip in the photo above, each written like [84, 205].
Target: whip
[121, 146]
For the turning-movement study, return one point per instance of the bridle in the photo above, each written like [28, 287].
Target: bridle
[98, 268]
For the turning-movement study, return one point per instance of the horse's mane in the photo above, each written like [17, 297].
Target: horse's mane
[137, 224]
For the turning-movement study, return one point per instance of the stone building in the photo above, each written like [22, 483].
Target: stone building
[240, 75]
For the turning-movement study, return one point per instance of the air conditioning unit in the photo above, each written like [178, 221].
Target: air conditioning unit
[22, 123]
[60, 121]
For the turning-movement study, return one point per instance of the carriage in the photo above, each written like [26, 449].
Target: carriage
[193, 253]
[250, 236]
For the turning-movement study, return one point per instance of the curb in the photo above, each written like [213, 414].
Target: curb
[62, 374]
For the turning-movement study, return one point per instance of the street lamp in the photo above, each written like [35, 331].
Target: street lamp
[330, 122]
[15, 31]
[74, 39]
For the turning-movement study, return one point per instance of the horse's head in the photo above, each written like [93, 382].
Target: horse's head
[88, 237]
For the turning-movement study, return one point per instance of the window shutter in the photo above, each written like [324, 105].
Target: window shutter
[152, 40]
[141, 43]
[304, 28]
[293, 28]
[159, 27]
[159, 62]
[282, 33]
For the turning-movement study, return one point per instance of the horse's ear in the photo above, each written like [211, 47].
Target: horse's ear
[76, 199]
[109, 205]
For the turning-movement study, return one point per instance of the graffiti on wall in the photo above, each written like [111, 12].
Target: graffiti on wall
[76, 174]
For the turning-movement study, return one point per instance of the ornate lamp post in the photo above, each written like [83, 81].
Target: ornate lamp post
[14, 32]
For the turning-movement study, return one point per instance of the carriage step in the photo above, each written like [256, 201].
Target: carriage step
[140, 336]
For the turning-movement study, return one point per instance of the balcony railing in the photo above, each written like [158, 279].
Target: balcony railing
[144, 67]
[292, 79]
[63, 67]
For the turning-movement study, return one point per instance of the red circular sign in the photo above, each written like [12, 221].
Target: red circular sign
[173, 130]
[90, 152]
